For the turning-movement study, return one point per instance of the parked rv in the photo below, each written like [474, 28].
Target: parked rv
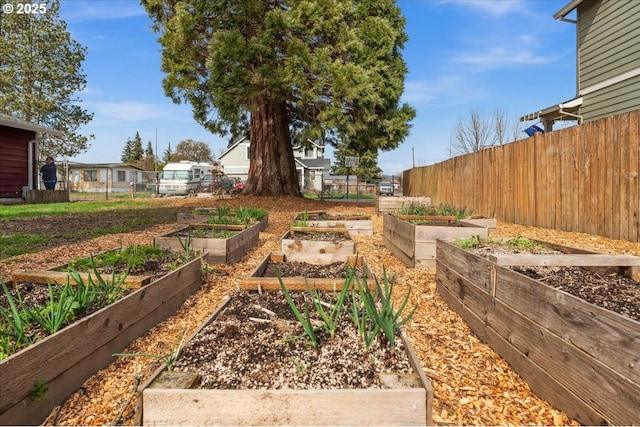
[183, 177]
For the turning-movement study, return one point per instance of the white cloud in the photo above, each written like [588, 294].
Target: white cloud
[128, 111]
[500, 57]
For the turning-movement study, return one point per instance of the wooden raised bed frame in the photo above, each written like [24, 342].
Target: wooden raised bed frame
[392, 204]
[256, 281]
[218, 250]
[579, 357]
[187, 219]
[415, 245]
[356, 224]
[408, 401]
[70, 356]
[316, 251]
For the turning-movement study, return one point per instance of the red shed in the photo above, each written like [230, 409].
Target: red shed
[18, 154]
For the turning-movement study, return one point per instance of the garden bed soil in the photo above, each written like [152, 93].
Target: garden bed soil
[297, 275]
[250, 345]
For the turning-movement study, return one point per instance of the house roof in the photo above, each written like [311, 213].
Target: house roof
[314, 163]
[15, 123]
[564, 111]
[103, 165]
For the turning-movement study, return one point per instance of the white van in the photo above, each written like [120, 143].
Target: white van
[385, 188]
[183, 177]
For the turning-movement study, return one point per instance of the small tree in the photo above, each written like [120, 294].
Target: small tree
[196, 151]
[479, 131]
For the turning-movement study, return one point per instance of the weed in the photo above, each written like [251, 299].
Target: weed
[39, 390]
[468, 244]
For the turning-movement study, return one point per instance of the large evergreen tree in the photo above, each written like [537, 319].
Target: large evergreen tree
[328, 69]
[40, 75]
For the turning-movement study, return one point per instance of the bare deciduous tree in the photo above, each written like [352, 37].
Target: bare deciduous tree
[479, 131]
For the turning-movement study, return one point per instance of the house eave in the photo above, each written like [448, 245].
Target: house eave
[567, 9]
[12, 122]
[562, 111]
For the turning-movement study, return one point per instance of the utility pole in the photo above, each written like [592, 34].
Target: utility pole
[413, 157]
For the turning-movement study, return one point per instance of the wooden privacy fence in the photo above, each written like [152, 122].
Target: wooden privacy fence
[583, 179]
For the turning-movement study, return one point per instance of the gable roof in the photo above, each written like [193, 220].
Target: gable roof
[12, 122]
[232, 145]
[562, 13]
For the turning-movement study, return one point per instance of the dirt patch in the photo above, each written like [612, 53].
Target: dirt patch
[252, 345]
[319, 236]
[336, 270]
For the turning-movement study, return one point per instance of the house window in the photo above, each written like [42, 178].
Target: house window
[248, 152]
[133, 176]
[308, 153]
[122, 176]
[90, 175]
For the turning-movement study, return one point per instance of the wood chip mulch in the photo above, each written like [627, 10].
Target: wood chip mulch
[472, 384]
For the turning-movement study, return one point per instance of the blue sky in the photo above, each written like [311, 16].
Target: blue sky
[461, 55]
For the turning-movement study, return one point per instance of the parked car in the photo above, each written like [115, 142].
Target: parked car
[385, 189]
[223, 183]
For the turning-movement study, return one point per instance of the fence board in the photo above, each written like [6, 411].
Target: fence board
[583, 178]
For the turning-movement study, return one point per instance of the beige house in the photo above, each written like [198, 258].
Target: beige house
[608, 62]
[107, 177]
[310, 162]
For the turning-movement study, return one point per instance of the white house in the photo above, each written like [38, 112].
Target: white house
[310, 162]
[109, 177]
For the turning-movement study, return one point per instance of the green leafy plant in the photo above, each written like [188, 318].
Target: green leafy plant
[381, 309]
[302, 220]
[331, 316]
[467, 244]
[12, 317]
[305, 320]
[53, 315]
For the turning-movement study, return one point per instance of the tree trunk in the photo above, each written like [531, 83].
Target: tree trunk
[272, 170]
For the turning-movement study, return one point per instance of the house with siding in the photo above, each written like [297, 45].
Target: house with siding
[608, 62]
[19, 157]
[309, 158]
[106, 177]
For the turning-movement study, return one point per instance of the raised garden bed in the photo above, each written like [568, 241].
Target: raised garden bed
[317, 245]
[297, 274]
[222, 244]
[412, 238]
[581, 357]
[243, 367]
[222, 215]
[42, 375]
[356, 224]
[393, 204]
